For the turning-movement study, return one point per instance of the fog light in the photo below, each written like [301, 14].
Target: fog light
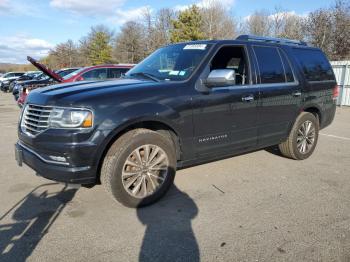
[58, 158]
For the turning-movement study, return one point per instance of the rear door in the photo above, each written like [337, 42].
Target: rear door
[280, 94]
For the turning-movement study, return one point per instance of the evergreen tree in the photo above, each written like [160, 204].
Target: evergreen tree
[99, 45]
[187, 26]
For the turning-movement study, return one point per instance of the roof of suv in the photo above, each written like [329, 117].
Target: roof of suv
[255, 39]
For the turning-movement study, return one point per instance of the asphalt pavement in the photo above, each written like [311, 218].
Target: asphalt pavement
[253, 207]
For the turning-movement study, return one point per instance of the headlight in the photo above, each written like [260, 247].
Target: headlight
[70, 118]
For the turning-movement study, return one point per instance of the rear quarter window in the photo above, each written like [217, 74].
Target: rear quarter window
[314, 64]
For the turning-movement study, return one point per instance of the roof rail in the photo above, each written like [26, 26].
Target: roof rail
[271, 40]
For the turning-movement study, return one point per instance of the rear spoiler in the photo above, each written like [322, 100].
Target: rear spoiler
[45, 69]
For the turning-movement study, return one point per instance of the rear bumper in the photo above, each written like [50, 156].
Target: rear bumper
[327, 116]
[54, 170]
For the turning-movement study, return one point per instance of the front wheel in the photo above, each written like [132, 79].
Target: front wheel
[303, 137]
[139, 167]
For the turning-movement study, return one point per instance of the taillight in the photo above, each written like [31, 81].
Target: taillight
[335, 92]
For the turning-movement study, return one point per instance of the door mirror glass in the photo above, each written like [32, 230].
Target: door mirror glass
[221, 77]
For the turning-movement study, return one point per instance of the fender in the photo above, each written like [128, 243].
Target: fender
[131, 115]
[142, 112]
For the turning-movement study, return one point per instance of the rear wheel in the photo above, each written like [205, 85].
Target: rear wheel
[139, 167]
[303, 137]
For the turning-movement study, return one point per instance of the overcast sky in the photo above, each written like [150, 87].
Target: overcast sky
[32, 27]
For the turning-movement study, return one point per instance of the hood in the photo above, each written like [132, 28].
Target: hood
[76, 91]
[34, 82]
[45, 69]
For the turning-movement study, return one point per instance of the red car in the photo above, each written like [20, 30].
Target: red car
[90, 73]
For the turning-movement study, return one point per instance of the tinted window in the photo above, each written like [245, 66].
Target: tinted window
[270, 65]
[95, 74]
[314, 64]
[117, 72]
[287, 67]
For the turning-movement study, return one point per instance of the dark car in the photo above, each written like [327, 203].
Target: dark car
[186, 104]
[27, 76]
[40, 79]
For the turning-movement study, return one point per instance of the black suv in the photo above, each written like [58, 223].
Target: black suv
[186, 104]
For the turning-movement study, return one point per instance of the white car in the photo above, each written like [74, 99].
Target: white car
[10, 75]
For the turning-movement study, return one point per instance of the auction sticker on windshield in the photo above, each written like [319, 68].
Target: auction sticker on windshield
[195, 47]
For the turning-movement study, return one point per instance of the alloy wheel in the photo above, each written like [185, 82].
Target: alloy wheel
[145, 171]
[306, 137]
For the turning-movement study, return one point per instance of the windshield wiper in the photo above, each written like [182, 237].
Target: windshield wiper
[146, 75]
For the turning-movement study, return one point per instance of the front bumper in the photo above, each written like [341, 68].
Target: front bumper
[54, 170]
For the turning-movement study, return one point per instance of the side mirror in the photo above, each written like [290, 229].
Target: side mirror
[221, 77]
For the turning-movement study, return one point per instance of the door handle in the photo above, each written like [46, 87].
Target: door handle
[296, 93]
[248, 98]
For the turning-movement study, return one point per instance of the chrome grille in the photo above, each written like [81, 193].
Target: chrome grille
[35, 119]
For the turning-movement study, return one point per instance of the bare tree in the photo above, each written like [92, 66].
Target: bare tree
[341, 30]
[157, 28]
[278, 20]
[293, 27]
[319, 29]
[217, 23]
[259, 23]
[63, 55]
[163, 25]
[130, 47]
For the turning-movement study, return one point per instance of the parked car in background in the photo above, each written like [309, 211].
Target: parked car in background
[184, 105]
[27, 76]
[98, 72]
[22, 89]
[40, 79]
[89, 73]
[7, 78]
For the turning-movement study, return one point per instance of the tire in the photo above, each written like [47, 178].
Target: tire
[11, 87]
[293, 146]
[133, 146]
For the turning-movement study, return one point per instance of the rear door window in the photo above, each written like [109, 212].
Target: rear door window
[270, 65]
[96, 74]
[314, 64]
[116, 72]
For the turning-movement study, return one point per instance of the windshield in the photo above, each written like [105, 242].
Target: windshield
[171, 63]
[7, 75]
[42, 76]
[74, 73]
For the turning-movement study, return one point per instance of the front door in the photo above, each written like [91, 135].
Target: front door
[225, 117]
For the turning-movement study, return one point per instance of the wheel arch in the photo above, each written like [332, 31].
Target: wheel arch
[151, 124]
[315, 110]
